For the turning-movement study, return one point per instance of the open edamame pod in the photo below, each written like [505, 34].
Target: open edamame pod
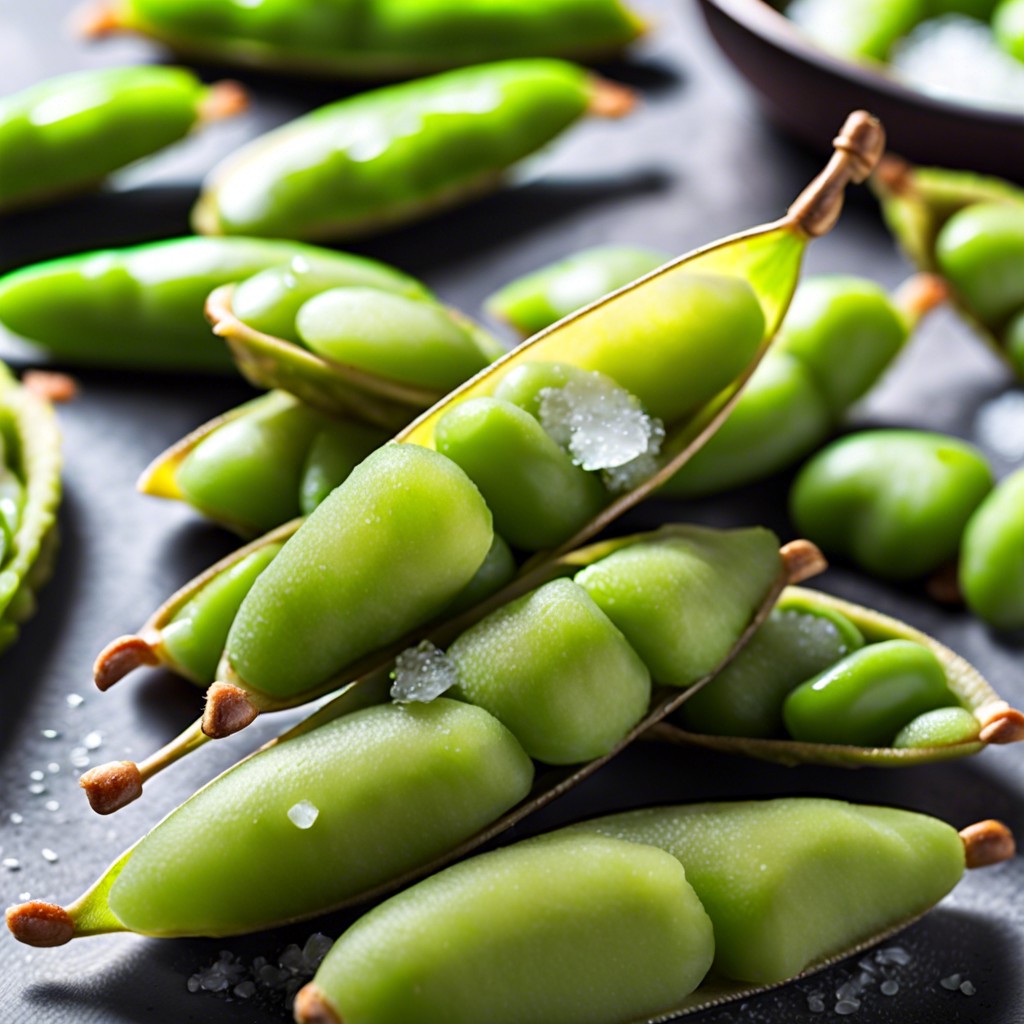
[373, 39]
[30, 492]
[971, 229]
[508, 653]
[141, 307]
[68, 133]
[938, 738]
[397, 154]
[725, 303]
[608, 934]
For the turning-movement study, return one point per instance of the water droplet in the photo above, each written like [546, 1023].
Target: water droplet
[303, 814]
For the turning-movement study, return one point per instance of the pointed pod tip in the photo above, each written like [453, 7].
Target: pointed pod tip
[228, 710]
[121, 656]
[802, 559]
[610, 99]
[57, 388]
[40, 924]
[97, 20]
[1003, 725]
[311, 1007]
[987, 842]
[109, 787]
[224, 99]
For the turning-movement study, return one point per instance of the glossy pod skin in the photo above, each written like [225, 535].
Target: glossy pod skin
[787, 884]
[30, 491]
[377, 39]
[992, 556]
[895, 502]
[974, 715]
[969, 225]
[69, 132]
[536, 300]
[142, 307]
[355, 167]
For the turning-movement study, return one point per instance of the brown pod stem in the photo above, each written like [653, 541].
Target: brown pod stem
[40, 924]
[895, 175]
[801, 560]
[312, 1008]
[228, 710]
[98, 20]
[987, 842]
[121, 656]
[224, 99]
[610, 99]
[109, 787]
[919, 295]
[1002, 724]
[50, 386]
[858, 148]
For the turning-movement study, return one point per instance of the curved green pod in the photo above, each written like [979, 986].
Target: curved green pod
[30, 491]
[919, 202]
[572, 928]
[375, 39]
[68, 133]
[395, 154]
[536, 300]
[992, 556]
[996, 721]
[894, 502]
[141, 307]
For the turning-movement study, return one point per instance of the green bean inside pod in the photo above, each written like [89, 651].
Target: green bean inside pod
[141, 307]
[397, 154]
[812, 637]
[30, 491]
[970, 228]
[66, 134]
[589, 923]
[373, 39]
[747, 279]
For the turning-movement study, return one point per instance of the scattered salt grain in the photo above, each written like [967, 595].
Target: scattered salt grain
[815, 1004]
[74, 700]
[49, 855]
[952, 982]
[50, 734]
[93, 741]
[889, 987]
[303, 814]
[79, 757]
[53, 768]
[12, 863]
[16, 818]
[37, 788]
[422, 673]
[36, 776]
[52, 805]
[893, 955]
[967, 988]
[847, 1006]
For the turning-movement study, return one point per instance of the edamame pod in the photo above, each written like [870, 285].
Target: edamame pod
[374, 39]
[895, 502]
[142, 307]
[537, 300]
[1008, 27]
[969, 225]
[397, 154]
[995, 721]
[68, 133]
[992, 556]
[570, 929]
[862, 29]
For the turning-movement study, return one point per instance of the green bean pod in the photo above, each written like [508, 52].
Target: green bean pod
[865, 30]
[942, 220]
[68, 133]
[30, 491]
[141, 307]
[377, 39]
[562, 927]
[992, 556]
[397, 154]
[994, 721]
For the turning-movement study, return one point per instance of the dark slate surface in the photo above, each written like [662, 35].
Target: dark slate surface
[696, 162]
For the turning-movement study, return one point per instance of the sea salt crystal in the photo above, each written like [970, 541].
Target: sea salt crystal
[79, 757]
[12, 863]
[889, 987]
[50, 734]
[959, 57]
[36, 776]
[53, 768]
[847, 1006]
[316, 948]
[52, 805]
[303, 814]
[600, 425]
[952, 983]
[967, 988]
[49, 855]
[245, 989]
[422, 673]
[893, 955]
[37, 788]
[93, 741]
[74, 700]
[815, 1004]
[16, 818]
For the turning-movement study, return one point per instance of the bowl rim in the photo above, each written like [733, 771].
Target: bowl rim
[771, 25]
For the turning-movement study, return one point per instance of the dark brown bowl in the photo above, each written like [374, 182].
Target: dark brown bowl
[807, 92]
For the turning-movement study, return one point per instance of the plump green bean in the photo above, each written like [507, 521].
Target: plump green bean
[570, 929]
[362, 570]
[498, 569]
[537, 300]
[68, 133]
[377, 39]
[798, 641]
[1008, 27]
[981, 250]
[336, 450]
[865, 699]
[682, 603]
[895, 502]
[938, 728]
[992, 556]
[392, 155]
[142, 307]
[553, 669]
